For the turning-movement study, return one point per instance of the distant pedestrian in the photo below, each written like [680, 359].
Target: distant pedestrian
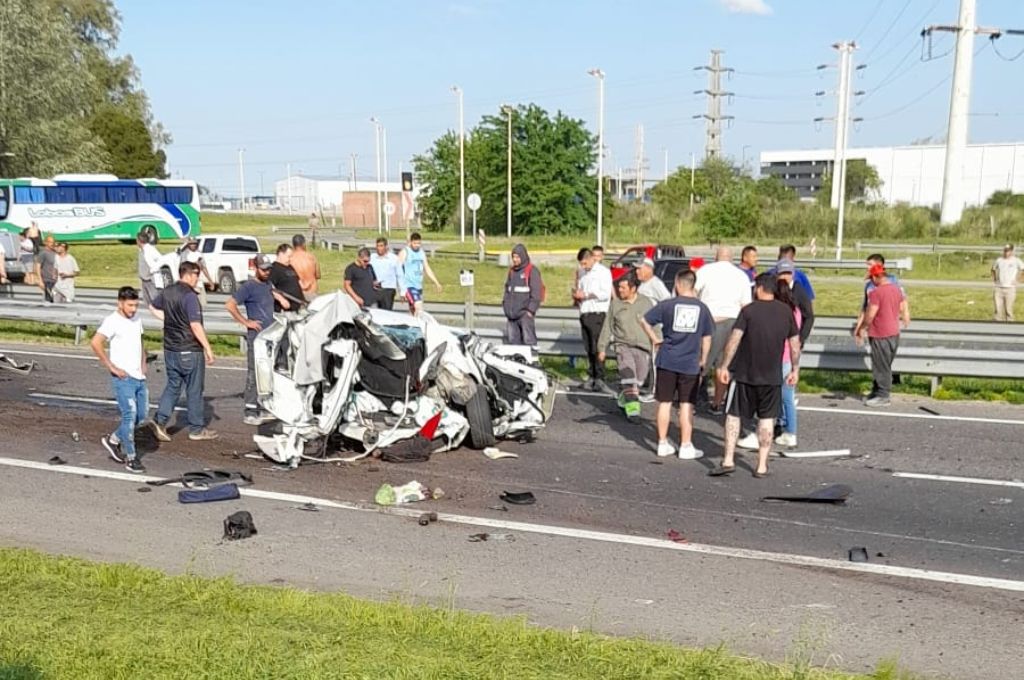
[3, 270]
[388, 271]
[48, 276]
[869, 285]
[1006, 274]
[598, 252]
[748, 262]
[788, 417]
[148, 264]
[360, 281]
[593, 294]
[27, 256]
[725, 290]
[414, 268]
[67, 270]
[286, 281]
[687, 327]
[650, 285]
[185, 348]
[800, 280]
[752, 368]
[886, 306]
[624, 331]
[190, 253]
[127, 367]
[314, 229]
[257, 296]
[306, 267]
[35, 236]
[524, 293]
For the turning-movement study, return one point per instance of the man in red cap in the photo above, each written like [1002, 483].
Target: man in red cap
[881, 325]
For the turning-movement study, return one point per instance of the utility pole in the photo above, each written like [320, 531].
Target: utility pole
[715, 93]
[387, 217]
[462, 166]
[693, 177]
[664, 150]
[599, 74]
[241, 177]
[288, 170]
[641, 162]
[355, 182]
[508, 181]
[376, 137]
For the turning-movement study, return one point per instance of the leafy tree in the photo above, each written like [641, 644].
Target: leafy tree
[552, 188]
[772, 191]
[1006, 198]
[731, 214]
[129, 142]
[861, 180]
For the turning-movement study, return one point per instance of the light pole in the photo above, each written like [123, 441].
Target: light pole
[241, 176]
[599, 74]
[384, 142]
[462, 166]
[743, 162]
[376, 137]
[508, 182]
[665, 151]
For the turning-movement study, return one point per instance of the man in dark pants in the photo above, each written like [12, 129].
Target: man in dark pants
[185, 348]
[388, 271]
[360, 280]
[886, 304]
[48, 268]
[257, 295]
[523, 295]
[593, 294]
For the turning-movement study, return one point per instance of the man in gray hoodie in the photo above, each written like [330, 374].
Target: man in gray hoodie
[524, 293]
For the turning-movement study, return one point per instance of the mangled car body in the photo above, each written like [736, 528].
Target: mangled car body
[365, 380]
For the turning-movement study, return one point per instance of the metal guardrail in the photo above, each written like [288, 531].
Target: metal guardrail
[930, 348]
[924, 248]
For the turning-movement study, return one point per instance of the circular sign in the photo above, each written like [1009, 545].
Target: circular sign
[473, 201]
[389, 209]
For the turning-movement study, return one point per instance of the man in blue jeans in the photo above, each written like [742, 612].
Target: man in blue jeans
[127, 366]
[185, 349]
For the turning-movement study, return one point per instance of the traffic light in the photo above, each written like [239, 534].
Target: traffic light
[406, 181]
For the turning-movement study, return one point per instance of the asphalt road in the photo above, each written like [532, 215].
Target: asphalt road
[591, 472]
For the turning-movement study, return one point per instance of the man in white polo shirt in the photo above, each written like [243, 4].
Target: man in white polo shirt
[725, 289]
[127, 366]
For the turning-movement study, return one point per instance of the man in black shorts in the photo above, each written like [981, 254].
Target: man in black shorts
[752, 368]
[687, 326]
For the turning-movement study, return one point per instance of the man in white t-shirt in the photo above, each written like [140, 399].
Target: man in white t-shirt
[1006, 273]
[67, 270]
[127, 366]
[725, 289]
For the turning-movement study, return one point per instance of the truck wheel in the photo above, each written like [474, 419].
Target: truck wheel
[226, 281]
[149, 231]
[481, 426]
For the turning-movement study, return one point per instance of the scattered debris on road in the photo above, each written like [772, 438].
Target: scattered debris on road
[10, 364]
[494, 453]
[57, 460]
[406, 493]
[928, 410]
[833, 453]
[480, 538]
[308, 507]
[205, 479]
[76, 437]
[834, 493]
[499, 508]
[858, 554]
[239, 525]
[518, 497]
[676, 537]
[144, 489]
[1001, 501]
[211, 494]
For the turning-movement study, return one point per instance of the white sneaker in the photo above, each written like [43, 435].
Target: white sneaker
[749, 442]
[688, 452]
[787, 439]
[665, 449]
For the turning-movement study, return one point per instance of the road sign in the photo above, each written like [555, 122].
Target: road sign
[473, 201]
[466, 277]
[389, 209]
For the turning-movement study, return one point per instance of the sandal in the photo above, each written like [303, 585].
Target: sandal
[721, 471]
[761, 475]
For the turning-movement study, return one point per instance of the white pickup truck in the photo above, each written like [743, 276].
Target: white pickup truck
[228, 258]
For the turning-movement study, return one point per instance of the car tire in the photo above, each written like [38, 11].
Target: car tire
[481, 426]
[149, 231]
[226, 282]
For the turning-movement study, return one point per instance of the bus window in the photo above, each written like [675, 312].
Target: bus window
[3, 203]
[60, 194]
[29, 195]
[152, 194]
[179, 195]
[92, 194]
[122, 194]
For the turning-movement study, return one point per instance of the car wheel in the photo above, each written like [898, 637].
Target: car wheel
[149, 231]
[481, 426]
[226, 282]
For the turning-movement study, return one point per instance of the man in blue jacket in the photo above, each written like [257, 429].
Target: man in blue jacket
[524, 293]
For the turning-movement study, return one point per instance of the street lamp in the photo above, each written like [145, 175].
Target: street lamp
[376, 136]
[462, 166]
[384, 143]
[241, 176]
[508, 182]
[599, 74]
[743, 162]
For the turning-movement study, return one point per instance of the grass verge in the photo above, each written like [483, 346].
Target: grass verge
[70, 618]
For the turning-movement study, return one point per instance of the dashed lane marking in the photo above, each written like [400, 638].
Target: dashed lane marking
[962, 480]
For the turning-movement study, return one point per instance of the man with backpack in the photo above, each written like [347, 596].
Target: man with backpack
[524, 293]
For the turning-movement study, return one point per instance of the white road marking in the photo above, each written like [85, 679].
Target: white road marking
[89, 357]
[582, 534]
[964, 480]
[921, 416]
[88, 400]
[814, 454]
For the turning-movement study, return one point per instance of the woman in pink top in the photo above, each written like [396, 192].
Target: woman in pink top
[784, 293]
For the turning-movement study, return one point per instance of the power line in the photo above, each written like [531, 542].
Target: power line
[888, 30]
[881, 57]
[992, 41]
[871, 18]
[795, 73]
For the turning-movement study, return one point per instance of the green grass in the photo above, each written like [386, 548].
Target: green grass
[74, 619]
[55, 334]
[856, 384]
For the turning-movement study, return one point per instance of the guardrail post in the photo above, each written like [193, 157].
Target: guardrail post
[79, 331]
[936, 383]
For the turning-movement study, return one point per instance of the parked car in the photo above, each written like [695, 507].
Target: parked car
[229, 259]
[635, 255]
[10, 245]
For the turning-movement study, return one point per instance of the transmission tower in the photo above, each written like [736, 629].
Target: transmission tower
[715, 94]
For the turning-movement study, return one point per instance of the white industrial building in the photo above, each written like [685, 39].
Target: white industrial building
[909, 174]
[301, 193]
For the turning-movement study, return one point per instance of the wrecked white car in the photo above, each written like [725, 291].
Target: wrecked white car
[339, 378]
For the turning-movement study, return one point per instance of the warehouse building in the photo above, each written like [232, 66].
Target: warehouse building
[352, 202]
[909, 174]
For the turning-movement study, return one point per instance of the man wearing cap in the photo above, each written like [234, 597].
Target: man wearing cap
[725, 290]
[869, 285]
[257, 295]
[1006, 274]
[650, 285]
[190, 253]
[886, 304]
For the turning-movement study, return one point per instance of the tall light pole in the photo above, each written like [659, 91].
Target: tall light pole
[665, 151]
[241, 176]
[743, 155]
[387, 218]
[376, 137]
[508, 181]
[599, 74]
[462, 165]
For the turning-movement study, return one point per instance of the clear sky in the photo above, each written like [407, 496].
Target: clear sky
[298, 81]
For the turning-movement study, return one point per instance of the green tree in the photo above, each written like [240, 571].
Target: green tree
[553, 190]
[715, 178]
[731, 214]
[861, 179]
[129, 143]
[772, 191]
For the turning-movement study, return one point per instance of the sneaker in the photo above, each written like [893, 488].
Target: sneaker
[159, 431]
[252, 420]
[749, 442]
[203, 435]
[113, 448]
[632, 409]
[688, 452]
[134, 465]
[621, 401]
[877, 401]
[787, 439]
[665, 449]
[646, 398]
